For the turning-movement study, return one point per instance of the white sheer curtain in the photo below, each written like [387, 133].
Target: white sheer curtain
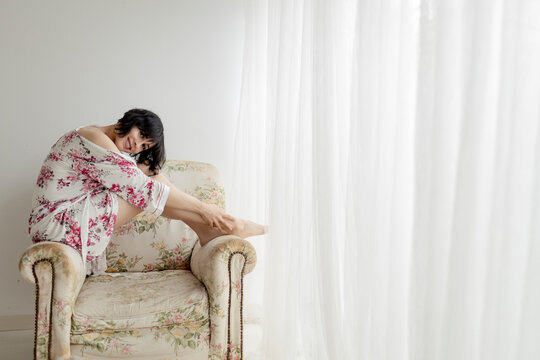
[393, 147]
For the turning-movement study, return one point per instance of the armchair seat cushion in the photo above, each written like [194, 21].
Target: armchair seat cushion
[127, 301]
[165, 343]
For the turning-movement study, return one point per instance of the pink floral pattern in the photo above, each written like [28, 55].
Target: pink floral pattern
[75, 171]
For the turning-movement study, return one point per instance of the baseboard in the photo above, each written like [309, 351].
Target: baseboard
[16, 322]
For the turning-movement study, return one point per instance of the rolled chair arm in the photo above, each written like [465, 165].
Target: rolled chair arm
[221, 265]
[58, 272]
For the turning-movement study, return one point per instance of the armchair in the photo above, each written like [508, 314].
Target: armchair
[162, 296]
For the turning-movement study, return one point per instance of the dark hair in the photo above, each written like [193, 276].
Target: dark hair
[151, 128]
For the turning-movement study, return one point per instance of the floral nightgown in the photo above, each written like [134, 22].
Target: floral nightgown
[76, 196]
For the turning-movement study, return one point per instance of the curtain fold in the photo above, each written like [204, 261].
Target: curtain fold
[393, 147]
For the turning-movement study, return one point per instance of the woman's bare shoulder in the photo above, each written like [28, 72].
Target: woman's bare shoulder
[98, 137]
[90, 129]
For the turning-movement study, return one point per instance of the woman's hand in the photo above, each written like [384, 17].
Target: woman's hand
[216, 217]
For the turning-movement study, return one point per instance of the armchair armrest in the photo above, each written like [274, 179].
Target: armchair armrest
[221, 265]
[58, 272]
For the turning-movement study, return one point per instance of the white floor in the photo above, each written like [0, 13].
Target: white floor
[18, 345]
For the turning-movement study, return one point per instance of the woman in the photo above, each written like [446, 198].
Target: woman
[96, 178]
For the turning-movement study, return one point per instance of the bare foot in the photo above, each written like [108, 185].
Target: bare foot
[245, 228]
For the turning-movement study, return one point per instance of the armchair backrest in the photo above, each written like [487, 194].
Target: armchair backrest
[147, 243]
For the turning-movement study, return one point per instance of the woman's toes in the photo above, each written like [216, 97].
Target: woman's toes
[253, 228]
[246, 228]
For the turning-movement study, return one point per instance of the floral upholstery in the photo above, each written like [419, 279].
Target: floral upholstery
[171, 304]
[225, 290]
[153, 343]
[58, 272]
[162, 298]
[190, 310]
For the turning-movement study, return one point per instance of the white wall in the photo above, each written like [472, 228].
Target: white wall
[65, 64]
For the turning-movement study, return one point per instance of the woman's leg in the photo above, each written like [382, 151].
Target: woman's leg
[126, 212]
[243, 228]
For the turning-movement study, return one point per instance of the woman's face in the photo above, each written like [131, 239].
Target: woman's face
[133, 142]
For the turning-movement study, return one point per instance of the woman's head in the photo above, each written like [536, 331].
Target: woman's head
[144, 130]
